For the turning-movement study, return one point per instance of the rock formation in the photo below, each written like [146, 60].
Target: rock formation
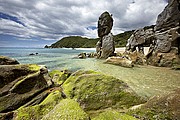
[7, 61]
[140, 38]
[164, 39]
[167, 26]
[21, 83]
[105, 46]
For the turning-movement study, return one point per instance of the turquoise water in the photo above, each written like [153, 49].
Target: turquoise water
[60, 58]
[145, 80]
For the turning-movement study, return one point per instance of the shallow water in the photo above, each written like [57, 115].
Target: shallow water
[145, 80]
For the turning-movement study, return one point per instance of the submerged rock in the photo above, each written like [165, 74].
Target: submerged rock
[82, 55]
[8, 61]
[122, 61]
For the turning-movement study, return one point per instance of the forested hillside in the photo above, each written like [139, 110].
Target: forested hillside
[82, 42]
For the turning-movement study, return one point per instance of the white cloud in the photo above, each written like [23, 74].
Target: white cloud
[53, 19]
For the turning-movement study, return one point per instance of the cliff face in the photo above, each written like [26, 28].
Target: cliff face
[165, 38]
[169, 17]
[167, 26]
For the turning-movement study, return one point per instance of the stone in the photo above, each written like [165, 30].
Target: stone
[105, 24]
[67, 109]
[167, 26]
[8, 61]
[105, 46]
[140, 38]
[95, 91]
[113, 115]
[82, 55]
[20, 84]
[108, 47]
[122, 61]
[160, 107]
[37, 112]
[165, 59]
[59, 77]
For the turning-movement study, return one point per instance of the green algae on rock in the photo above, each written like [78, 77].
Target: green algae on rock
[162, 107]
[96, 91]
[38, 111]
[67, 109]
[58, 77]
[113, 115]
[20, 84]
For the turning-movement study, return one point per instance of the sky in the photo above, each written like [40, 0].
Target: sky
[35, 23]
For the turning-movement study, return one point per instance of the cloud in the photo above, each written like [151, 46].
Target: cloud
[54, 19]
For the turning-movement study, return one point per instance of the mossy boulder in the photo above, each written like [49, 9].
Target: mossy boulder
[113, 115]
[8, 61]
[58, 77]
[94, 91]
[38, 111]
[162, 107]
[20, 84]
[67, 109]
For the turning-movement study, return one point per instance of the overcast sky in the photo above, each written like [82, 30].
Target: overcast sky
[35, 23]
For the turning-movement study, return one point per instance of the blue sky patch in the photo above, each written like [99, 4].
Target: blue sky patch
[91, 28]
[12, 18]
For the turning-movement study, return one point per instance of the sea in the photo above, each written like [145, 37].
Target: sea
[56, 58]
[146, 81]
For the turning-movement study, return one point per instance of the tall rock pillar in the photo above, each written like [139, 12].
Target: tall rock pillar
[105, 46]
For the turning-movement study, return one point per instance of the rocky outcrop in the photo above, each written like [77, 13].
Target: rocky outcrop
[8, 61]
[165, 38]
[167, 26]
[140, 38]
[20, 84]
[105, 46]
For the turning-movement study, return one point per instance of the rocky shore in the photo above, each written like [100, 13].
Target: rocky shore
[31, 92]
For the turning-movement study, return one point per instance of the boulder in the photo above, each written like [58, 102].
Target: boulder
[161, 107]
[8, 61]
[20, 84]
[105, 24]
[95, 91]
[67, 109]
[37, 112]
[122, 61]
[169, 59]
[108, 47]
[82, 55]
[59, 77]
[113, 115]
